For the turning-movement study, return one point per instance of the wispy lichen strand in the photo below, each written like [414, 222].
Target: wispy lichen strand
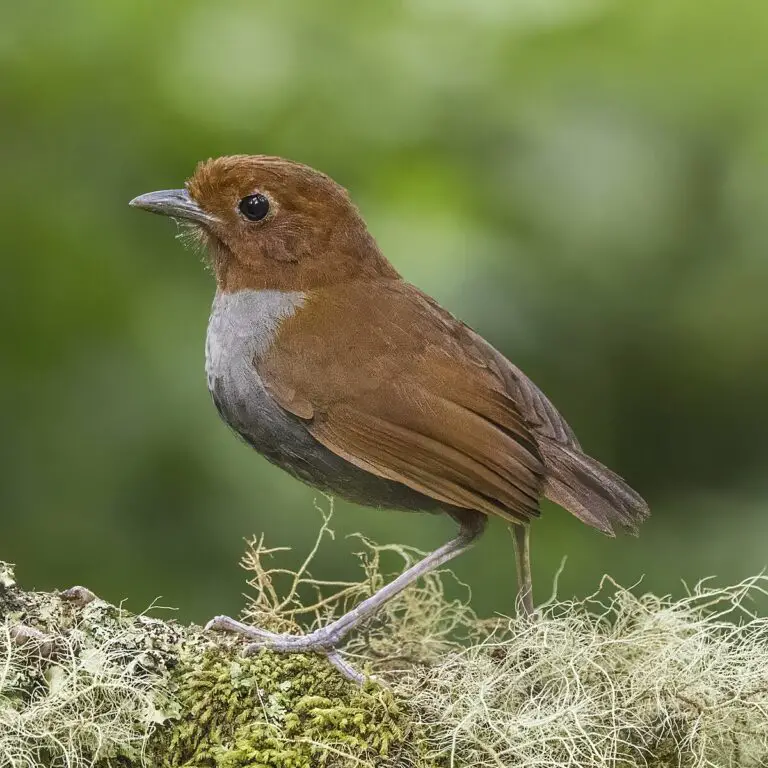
[614, 680]
[617, 680]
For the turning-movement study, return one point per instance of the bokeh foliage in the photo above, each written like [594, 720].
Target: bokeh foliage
[583, 181]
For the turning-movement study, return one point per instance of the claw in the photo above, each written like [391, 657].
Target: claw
[227, 624]
[346, 669]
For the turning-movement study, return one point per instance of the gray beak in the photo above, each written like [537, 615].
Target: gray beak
[175, 203]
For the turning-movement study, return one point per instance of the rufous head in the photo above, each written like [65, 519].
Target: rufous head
[268, 222]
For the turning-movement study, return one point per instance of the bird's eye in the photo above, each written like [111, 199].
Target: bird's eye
[254, 207]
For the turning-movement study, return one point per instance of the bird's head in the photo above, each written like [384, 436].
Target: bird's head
[272, 223]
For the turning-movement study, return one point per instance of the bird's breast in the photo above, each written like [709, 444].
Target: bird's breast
[241, 329]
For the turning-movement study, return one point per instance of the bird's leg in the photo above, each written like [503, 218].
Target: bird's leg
[326, 639]
[523, 560]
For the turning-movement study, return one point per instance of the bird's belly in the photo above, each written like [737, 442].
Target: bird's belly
[241, 328]
[252, 413]
[287, 443]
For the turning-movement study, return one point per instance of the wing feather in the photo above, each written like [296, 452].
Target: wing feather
[403, 392]
[422, 463]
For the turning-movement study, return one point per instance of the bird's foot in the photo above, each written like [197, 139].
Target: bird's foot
[322, 641]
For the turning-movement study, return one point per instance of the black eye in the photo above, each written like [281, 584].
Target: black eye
[254, 207]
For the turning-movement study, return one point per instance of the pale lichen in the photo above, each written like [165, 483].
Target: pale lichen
[616, 680]
[78, 685]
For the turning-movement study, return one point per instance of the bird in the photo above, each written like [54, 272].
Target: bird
[326, 361]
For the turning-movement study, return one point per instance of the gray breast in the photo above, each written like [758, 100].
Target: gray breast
[241, 329]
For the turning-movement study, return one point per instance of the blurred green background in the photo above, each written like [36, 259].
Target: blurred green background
[584, 182]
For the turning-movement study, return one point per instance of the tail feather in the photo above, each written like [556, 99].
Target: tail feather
[589, 490]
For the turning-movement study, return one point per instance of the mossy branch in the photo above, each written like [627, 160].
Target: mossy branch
[614, 680]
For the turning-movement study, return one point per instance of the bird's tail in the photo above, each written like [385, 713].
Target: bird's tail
[589, 490]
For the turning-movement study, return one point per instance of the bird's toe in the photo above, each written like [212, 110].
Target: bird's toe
[228, 624]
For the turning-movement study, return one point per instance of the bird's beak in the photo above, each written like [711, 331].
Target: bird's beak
[175, 203]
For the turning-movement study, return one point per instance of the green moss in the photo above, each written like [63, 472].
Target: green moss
[282, 711]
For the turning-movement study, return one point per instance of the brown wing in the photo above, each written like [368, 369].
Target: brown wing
[582, 485]
[403, 391]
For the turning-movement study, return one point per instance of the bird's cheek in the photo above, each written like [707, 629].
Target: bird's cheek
[226, 234]
[217, 248]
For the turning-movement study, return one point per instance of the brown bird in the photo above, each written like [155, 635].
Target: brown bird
[337, 370]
